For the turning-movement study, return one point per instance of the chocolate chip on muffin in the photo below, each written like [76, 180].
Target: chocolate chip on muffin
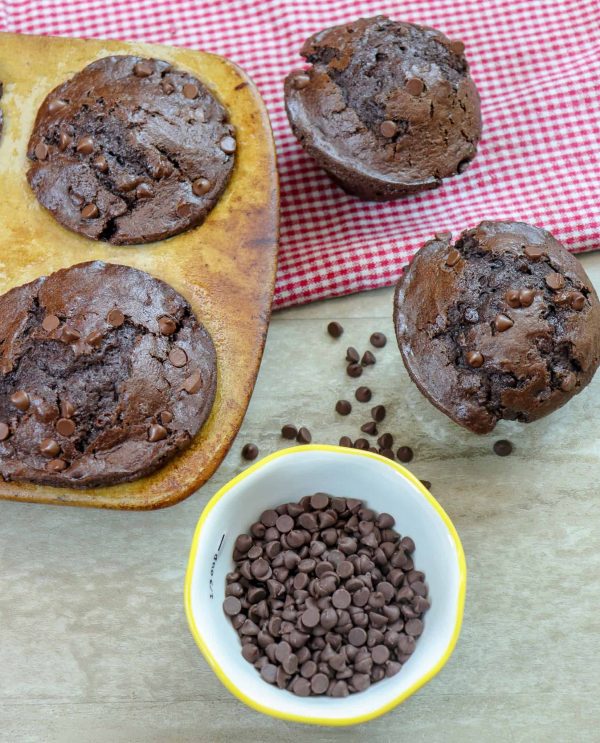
[130, 150]
[504, 324]
[387, 108]
[92, 392]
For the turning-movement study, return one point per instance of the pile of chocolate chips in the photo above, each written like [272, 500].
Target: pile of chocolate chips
[325, 597]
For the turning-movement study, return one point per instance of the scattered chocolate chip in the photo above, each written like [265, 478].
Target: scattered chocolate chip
[85, 146]
[304, 436]
[41, 151]
[378, 413]
[65, 427]
[354, 370]
[555, 281]
[143, 69]
[165, 417]
[49, 448]
[201, 186]
[64, 140]
[228, 145]
[378, 340]
[101, 164]
[144, 191]
[512, 298]
[452, 258]
[20, 399]
[577, 301]
[4, 431]
[190, 91]
[300, 81]
[343, 407]
[361, 444]
[474, 359]
[67, 409]
[503, 322]
[156, 432]
[184, 210]
[457, 47]
[115, 318]
[415, 86]
[347, 442]
[289, 431]
[50, 323]
[503, 448]
[388, 129]
[56, 465]
[94, 339]
[405, 454]
[370, 428]
[335, 330]
[193, 383]
[368, 359]
[166, 325]
[388, 453]
[385, 441]
[90, 211]
[352, 355]
[526, 297]
[534, 251]
[56, 105]
[178, 357]
[363, 394]
[249, 451]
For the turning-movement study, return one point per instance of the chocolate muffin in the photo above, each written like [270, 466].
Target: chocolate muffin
[504, 323]
[387, 108]
[105, 373]
[130, 150]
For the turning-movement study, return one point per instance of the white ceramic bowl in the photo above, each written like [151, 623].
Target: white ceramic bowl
[286, 476]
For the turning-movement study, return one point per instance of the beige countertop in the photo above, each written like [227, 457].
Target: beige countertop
[94, 644]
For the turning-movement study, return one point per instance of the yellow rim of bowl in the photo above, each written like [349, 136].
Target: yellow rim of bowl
[224, 678]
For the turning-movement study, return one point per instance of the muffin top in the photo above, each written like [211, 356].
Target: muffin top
[130, 150]
[105, 373]
[505, 323]
[392, 101]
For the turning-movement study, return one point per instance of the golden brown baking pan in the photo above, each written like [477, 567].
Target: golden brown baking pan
[225, 268]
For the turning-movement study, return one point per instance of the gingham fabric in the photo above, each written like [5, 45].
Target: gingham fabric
[538, 71]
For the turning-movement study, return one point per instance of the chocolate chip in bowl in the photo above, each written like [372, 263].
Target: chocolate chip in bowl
[305, 605]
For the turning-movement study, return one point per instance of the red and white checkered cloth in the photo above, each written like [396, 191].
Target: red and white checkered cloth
[537, 67]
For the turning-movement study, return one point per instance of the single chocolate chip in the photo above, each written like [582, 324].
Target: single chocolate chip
[64, 140]
[249, 451]
[453, 258]
[50, 323]
[388, 128]
[414, 627]
[193, 383]
[232, 606]
[369, 428]
[343, 407]
[65, 427]
[115, 318]
[56, 465]
[269, 673]
[568, 382]
[534, 251]
[49, 448]
[426, 484]
[457, 47]
[184, 210]
[352, 355]
[319, 683]
[144, 191]
[347, 442]
[190, 91]
[289, 431]
[354, 370]
[378, 413]
[284, 523]
[85, 146]
[335, 330]
[361, 443]
[90, 211]
[380, 654]
[94, 339]
[378, 340]
[405, 454]
[167, 87]
[201, 186]
[165, 417]
[368, 359]
[555, 281]
[415, 86]
[56, 105]
[178, 357]
[512, 298]
[341, 599]
[474, 359]
[41, 151]
[143, 69]
[363, 394]
[357, 637]
[304, 436]
[577, 301]
[228, 145]
[319, 501]
[385, 441]
[387, 453]
[166, 325]
[526, 297]
[156, 432]
[300, 81]
[20, 399]
[503, 448]
[4, 431]
[101, 164]
[503, 322]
